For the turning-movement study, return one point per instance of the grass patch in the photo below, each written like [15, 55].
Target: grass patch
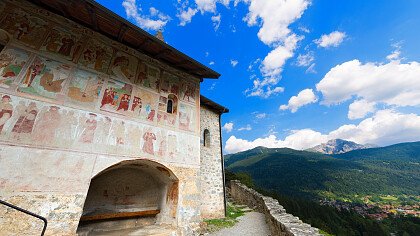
[233, 212]
[325, 233]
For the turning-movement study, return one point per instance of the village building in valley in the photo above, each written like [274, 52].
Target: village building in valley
[102, 125]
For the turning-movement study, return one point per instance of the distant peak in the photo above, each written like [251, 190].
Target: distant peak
[337, 146]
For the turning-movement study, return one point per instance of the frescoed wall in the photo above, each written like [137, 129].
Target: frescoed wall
[59, 85]
[72, 103]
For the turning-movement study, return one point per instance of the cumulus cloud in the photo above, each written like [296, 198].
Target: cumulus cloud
[385, 127]
[228, 127]
[304, 97]
[212, 63]
[234, 62]
[394, 83]
[333, 39]
[274, 18]
[298, 139]
[185, 16]
[210, 5]
[247, 128]
[145, 21]
[360, 108]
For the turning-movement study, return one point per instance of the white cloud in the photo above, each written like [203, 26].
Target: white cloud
[216, 21]
[304, 29]
[360, 108]
[212, 63]
[247, 128]
[185, 16]
[274, 18]
[333, 39]
[234, 62]
[393, 83]
[303, 98]
[260, 115]
[386, 127]
[305, 59]
[145, 21]
[228, 127]
[299, 139]
[260, 92]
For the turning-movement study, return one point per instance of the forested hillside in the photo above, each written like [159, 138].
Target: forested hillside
[393, 170]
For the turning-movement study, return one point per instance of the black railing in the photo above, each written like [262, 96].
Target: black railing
[27, 212]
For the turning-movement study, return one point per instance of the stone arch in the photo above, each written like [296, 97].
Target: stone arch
[131, 194]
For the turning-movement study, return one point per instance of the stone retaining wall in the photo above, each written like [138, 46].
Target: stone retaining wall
[279, 222]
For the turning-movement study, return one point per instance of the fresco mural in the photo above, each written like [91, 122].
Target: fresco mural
[169, 84]
[116, 97]
[96, 55]
[28, 29]
[189, 92]
[149, 140]
[36, 116]
[24, 125]
[45, 78]
[187, 117]
[38, 123]
[123, 66]
[6, 111]
[12, 61]
[148, 76]
[62, 43]
[144, 105]
[167, 110]
[85, 88]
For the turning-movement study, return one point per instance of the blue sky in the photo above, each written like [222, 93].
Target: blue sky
[296, 73]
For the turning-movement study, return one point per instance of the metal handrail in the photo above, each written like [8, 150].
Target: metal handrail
[29, 213]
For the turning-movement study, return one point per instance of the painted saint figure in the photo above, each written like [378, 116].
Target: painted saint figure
[125, 101]
[6, 111]
[47, 124]
[149, 138]
[89, 130]
[26, 120]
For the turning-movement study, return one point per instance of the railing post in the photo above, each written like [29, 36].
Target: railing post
[28, 213]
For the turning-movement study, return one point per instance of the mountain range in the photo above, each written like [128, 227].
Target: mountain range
[338, 146]
[393, 170]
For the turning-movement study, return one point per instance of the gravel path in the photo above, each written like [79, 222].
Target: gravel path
[250, 224]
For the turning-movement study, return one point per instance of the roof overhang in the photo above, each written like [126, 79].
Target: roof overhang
[94, 16]
[212, 105]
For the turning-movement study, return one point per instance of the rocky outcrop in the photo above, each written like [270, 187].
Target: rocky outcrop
[279, 222]
[337, 146]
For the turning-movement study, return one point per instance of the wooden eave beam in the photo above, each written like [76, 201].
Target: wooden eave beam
[93, 17]
[122, 32]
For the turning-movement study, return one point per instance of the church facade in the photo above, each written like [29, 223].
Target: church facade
[102, 126]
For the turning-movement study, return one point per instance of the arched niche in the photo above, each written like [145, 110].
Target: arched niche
[130, 194]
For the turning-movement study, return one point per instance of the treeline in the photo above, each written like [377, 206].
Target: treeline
[334, 221]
